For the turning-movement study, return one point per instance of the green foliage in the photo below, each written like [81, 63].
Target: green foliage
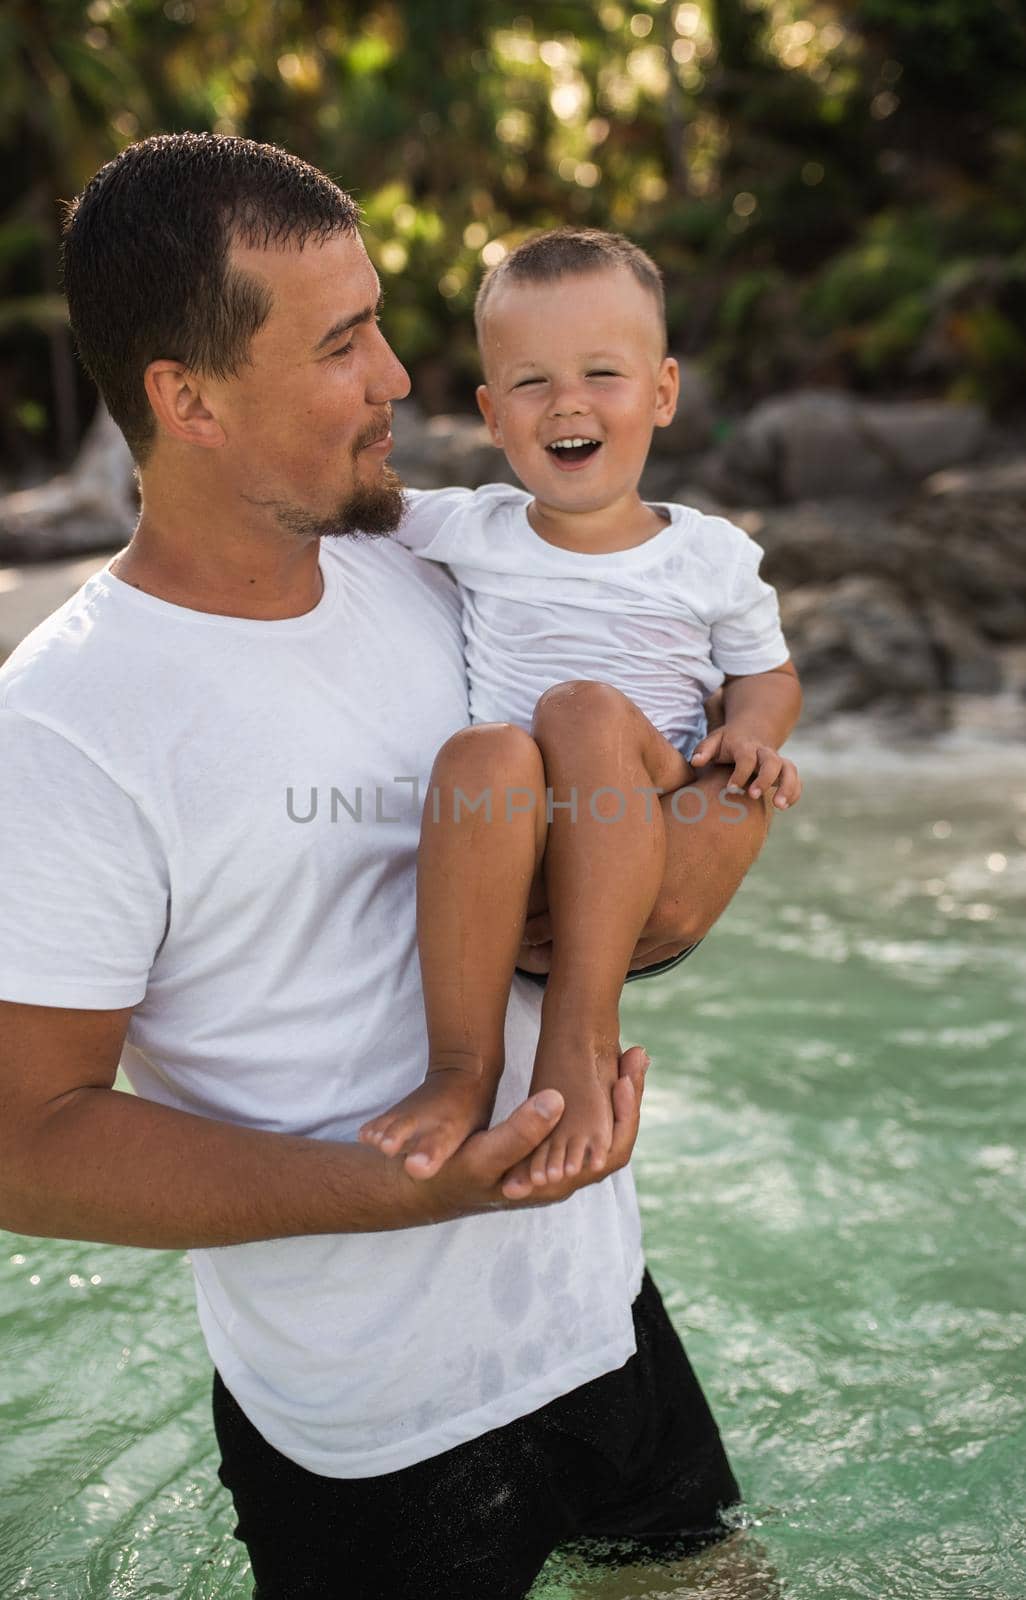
[826, 183]
[894, 260]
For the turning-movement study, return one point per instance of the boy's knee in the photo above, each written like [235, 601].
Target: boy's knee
[581, 698]
[488, 751]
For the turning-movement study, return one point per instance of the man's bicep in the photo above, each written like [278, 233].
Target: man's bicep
[48, 1053]
[86, 889]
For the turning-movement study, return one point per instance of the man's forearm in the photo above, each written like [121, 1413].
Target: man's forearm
[706, 860]
[115, 1169]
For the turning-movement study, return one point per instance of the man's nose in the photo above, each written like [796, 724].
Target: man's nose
[389, 379]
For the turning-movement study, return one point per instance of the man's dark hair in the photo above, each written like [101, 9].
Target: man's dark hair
[563, 252]
[146, 258]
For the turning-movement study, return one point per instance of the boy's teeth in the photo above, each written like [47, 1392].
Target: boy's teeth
[569, 444]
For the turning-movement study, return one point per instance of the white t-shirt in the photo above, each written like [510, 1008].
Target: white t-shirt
[168, 843]
[663, 622]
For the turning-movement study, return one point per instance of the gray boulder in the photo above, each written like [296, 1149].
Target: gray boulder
[818, 444]
[974, 524]
[855, 643]
[694, 423]
[432, 452]
[91, 507]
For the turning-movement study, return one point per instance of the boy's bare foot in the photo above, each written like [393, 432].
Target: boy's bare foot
[427, 1126]
[583, 1066]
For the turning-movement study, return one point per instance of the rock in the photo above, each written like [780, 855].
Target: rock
[694, 423]
[818, 444]
[972, 523]
[825, 541]
[432, 452]
[969, 665]
[92, 507]
[963, 550]
[855, 643]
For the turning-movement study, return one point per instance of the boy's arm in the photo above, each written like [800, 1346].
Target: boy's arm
[770, 701]
[760, 711]
[426, 512]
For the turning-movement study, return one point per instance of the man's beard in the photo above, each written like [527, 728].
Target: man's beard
[375, 511]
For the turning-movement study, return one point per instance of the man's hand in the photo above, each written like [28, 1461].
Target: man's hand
[491, 1170]
[732, 746]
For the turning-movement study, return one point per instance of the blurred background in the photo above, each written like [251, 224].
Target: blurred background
[833, 188]
[831, 1160]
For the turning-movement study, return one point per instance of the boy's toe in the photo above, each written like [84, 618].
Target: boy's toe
[556, 1164]
[422, 1165]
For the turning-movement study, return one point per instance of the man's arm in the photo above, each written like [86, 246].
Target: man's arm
[81, 1160]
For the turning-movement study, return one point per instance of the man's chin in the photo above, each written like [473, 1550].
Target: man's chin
[372, 511]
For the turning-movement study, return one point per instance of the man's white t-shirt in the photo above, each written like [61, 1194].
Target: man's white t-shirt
[663, 622]
[213, 820]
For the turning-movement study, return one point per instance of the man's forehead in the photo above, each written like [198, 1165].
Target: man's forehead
[313, 284]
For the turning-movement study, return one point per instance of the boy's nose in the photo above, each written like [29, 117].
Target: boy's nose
[569, 402]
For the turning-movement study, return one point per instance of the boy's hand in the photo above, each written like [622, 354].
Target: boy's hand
[757, 766]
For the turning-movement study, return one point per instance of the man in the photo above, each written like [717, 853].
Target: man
[207, 765]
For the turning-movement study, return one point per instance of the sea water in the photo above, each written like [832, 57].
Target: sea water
[832, 1169]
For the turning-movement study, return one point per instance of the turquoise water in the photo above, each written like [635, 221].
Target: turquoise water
[833, 1179]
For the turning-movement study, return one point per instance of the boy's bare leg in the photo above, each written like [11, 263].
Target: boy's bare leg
[482, 838]
[603, 868]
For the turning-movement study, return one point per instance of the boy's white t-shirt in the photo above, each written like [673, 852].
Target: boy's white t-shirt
[663, 622]
[213, 820]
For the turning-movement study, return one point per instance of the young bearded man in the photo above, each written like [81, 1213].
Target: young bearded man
[427, 1385]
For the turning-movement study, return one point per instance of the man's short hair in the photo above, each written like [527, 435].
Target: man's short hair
[564, 251]
[146, 258]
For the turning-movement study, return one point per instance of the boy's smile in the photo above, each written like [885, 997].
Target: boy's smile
[576, 380]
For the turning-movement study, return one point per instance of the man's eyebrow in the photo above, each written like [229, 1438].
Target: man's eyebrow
[344, 324]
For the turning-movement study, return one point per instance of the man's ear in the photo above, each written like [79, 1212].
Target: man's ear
[487, 410]
[667, 392]
[179, 407]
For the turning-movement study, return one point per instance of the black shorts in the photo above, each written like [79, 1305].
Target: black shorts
[653, 971]
[633, 1457]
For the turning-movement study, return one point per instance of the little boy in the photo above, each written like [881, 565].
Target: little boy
[596, 626]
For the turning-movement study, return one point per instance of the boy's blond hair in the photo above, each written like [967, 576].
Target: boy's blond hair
[564, 251]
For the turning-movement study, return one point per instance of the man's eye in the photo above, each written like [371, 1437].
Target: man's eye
[343, 350]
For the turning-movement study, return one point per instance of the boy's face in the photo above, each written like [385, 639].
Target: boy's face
[580, 358]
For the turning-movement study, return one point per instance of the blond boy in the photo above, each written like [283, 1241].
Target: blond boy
[596, 626]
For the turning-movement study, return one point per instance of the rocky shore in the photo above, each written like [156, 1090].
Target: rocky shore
[895, 534]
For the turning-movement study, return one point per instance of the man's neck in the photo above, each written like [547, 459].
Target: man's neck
[192, 561]
[622, 525]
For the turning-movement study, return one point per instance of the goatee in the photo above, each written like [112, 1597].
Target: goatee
[373, 511]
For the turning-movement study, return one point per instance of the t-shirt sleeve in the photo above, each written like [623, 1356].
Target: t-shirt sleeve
[746, 635]
[85, 888]
[427, 511]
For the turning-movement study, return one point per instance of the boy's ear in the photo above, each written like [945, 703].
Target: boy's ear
[179, 407]
[667, 392]
[487, 410]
